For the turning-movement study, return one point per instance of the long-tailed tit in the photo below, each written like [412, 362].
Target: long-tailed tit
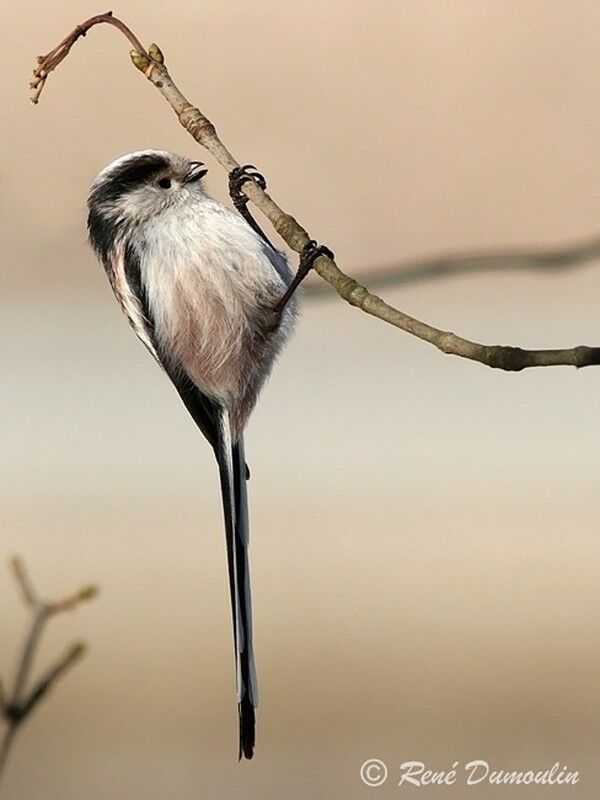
[211, 300]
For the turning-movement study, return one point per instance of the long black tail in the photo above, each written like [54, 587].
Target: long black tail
[232, 471]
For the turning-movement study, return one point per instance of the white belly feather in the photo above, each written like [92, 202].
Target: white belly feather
[211, 284]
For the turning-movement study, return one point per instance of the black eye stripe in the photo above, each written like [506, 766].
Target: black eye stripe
[128, 176]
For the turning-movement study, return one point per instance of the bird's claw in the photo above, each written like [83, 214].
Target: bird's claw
[310, 252]
[238, 177]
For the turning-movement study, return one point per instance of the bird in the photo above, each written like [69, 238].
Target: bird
[214, 303]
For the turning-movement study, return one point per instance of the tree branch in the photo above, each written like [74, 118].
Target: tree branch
[151, 64]
[16, 707]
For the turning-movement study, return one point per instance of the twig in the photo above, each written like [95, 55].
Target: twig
[22, 579]
[52, 59]
[151, 64]
[16, 707]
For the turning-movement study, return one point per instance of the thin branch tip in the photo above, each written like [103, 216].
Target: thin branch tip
[89, 592]
[77, 651]
[70, 602]
[21, 576]
[49, 62]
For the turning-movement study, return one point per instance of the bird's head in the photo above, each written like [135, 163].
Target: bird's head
[140, 185]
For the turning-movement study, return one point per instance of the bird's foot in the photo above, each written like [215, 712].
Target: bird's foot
[310, 252]
[237, 178]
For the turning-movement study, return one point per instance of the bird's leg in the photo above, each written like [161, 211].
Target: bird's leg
[311, 251]
[237, 178]
[308, 256]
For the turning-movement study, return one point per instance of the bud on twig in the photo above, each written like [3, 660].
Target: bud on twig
[140, 60]
[88, 592]
[155, 53]
[76, 652]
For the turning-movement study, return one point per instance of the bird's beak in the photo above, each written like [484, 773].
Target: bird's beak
[196, 171]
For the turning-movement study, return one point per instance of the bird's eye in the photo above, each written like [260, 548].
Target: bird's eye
[165, 183]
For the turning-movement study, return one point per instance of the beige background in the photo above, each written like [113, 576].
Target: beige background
[425, 546]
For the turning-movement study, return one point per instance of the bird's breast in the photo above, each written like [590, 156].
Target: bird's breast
[211, 299]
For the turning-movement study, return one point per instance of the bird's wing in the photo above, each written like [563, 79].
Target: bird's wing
[124, 272]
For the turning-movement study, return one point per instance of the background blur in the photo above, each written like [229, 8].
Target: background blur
[425, 530]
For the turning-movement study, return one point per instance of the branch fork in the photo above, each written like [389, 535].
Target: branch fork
[16, 706]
